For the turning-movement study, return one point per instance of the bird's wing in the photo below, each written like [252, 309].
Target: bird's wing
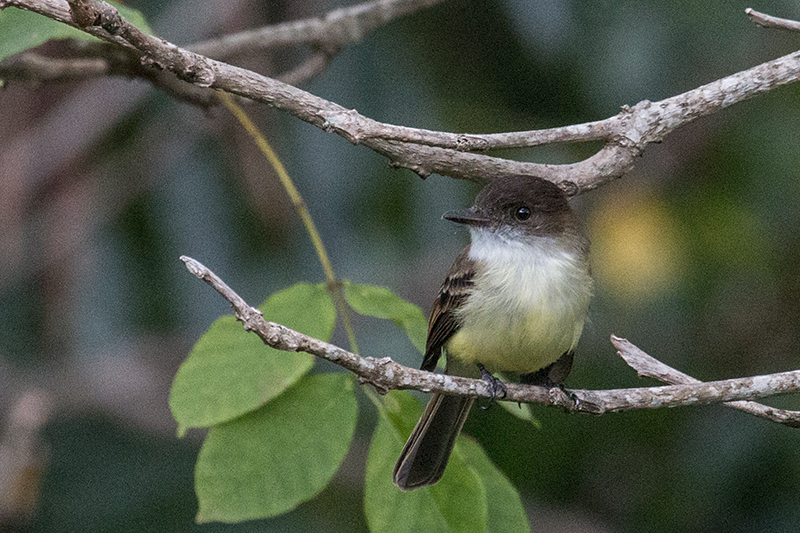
[443, 322]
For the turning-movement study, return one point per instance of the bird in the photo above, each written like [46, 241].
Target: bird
[514, 302]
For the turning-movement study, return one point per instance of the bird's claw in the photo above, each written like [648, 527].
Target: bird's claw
[496, 387]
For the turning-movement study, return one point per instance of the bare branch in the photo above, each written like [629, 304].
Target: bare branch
[425, 152]
[384, 374]
[333, 30]
[31, 65]
[768, 21]
[647, 366]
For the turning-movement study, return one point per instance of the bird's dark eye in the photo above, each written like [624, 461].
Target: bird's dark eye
[522, 213]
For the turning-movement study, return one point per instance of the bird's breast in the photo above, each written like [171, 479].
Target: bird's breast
[527, 307]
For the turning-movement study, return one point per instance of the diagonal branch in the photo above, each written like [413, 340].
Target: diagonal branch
[626, 134]
[648, 366]
[384, 374]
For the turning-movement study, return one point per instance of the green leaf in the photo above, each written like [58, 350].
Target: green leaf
[230, 372]
[506, 513]
[20, 29]
[456, 504]
[380, 302]
[271, 460]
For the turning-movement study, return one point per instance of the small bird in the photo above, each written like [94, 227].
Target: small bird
[515, 300]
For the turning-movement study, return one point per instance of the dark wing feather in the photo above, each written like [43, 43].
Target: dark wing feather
[443, 323]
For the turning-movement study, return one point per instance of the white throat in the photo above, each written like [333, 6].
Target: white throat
[527, 266]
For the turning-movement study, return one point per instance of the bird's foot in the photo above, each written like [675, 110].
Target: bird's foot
[496, 387]
[569, 400]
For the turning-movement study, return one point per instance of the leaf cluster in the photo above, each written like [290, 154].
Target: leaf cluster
[278, 432]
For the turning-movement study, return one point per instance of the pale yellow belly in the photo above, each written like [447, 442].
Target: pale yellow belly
[516, 344]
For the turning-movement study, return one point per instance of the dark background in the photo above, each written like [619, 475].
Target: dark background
[105, 183]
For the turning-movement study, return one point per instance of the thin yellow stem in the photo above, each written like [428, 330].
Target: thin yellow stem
[334, 286]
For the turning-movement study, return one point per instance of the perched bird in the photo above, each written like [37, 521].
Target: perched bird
[515, 300]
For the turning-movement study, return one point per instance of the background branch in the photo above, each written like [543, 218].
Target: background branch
[333, 30]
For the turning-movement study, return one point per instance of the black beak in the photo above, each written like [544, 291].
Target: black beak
[470, 217]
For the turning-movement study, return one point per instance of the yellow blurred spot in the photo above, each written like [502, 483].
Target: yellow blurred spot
[637, 254]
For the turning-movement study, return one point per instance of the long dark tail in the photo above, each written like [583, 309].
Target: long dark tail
[428, 449]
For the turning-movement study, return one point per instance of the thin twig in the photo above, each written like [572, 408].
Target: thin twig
[314, 66]
[31, 65]
[334, 29]
[384, 374]
[768, 21]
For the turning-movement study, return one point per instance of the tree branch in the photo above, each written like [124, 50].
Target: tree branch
[626, 134]
[334, 30]
[31, 65]
[648, 366]
[384, 374]
[768, 21]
